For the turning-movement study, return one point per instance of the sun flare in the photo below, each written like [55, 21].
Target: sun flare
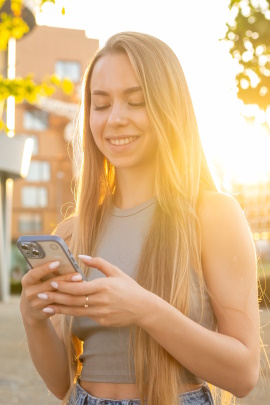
[245, 160]
[238, 148]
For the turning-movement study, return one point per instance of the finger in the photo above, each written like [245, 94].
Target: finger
[68, 277]
[36, 307]
[38, 304]
[38, 275]
[102, 265]
[49, 298]
[81, 288]
[64, 310]
[32, 290]
[34, 275]
[94, 313]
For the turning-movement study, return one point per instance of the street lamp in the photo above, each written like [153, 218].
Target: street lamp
[15, 157]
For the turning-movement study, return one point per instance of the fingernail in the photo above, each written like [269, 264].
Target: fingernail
[53, 265]
[77, 277]
[43, 296]
[48, 310]
[85, 257]
[54, 284]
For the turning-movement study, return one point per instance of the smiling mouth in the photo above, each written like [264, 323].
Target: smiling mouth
[123, 141]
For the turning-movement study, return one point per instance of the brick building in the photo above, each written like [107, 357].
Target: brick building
[40, 200]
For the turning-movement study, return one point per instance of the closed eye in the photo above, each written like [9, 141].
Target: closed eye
[137, 104]
[102, 107]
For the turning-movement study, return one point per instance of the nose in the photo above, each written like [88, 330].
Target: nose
[118, 116]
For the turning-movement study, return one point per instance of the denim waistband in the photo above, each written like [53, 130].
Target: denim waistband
[200, 396]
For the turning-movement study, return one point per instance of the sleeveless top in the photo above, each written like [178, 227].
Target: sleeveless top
[106, 352]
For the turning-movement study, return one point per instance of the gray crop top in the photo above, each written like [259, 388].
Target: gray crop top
[106, 351]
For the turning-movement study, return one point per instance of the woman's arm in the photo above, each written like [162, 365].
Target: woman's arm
[48, 355]
[230, 358]
[47, 350]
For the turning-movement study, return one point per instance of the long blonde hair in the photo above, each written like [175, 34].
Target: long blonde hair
[173, 242]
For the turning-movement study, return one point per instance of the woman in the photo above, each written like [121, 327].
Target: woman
[171, 300]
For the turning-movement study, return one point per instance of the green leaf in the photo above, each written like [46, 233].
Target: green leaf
[250, 40]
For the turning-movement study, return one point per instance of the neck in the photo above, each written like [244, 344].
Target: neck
[134, 187]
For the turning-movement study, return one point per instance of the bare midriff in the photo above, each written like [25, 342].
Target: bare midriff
[121, 391]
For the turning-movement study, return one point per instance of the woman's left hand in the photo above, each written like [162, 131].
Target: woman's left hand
[116, 300]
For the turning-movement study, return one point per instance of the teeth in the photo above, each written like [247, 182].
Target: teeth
[122, 141]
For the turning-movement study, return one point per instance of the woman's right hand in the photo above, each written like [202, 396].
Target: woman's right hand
[33, 290]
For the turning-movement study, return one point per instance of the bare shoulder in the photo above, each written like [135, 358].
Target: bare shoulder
[65, 229]
[222, 220]
[225, 235]
[217, 206]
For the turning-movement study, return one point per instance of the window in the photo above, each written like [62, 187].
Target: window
[34, 196]
[68, 69]
[30, 223]
[36, 120]
[39, 171]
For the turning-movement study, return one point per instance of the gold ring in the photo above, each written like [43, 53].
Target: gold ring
[86, 302]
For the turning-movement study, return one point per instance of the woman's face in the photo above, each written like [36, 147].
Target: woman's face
[118, 118]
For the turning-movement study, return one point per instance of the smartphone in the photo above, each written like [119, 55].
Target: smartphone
[41, 249]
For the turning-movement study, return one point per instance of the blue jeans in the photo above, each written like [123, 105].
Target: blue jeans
[201, 396]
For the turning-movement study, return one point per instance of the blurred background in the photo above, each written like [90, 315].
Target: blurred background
[45, 46]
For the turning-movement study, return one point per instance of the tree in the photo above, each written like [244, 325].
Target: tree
[248, 32]
[14, 25]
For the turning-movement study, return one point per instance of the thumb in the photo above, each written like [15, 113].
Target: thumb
[108, 269]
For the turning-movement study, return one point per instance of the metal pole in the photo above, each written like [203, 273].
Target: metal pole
[8, 214]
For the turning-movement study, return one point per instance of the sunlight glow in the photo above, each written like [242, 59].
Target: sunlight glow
[252, 165]
[241, 149]
[10, 116]
[26, 158]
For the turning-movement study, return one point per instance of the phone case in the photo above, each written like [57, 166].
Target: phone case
[41, 249]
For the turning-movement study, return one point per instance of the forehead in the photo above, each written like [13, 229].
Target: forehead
[112, 72]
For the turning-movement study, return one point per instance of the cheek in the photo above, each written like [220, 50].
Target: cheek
[142, 120]
[96, 127]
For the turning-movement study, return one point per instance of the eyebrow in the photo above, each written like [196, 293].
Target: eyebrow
[132, 89]
[126, 91]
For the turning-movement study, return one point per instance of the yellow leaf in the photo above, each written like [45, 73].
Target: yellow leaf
[54, 79]
[16, 7]
[67, 86]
